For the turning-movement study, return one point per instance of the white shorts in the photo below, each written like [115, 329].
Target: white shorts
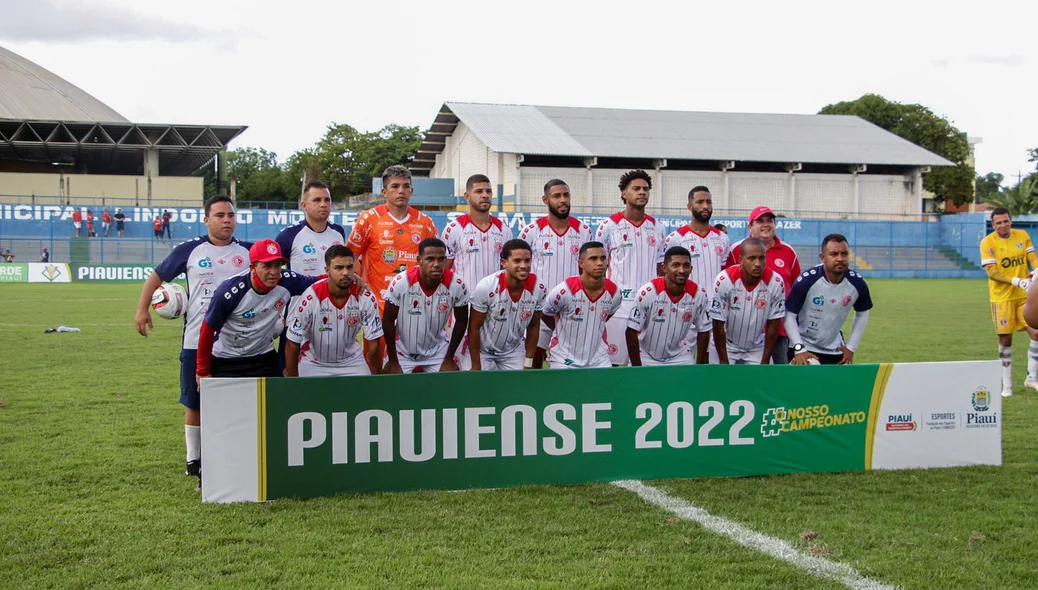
[428, 366]
[77, 224]
[603, 365]
[616, 337]
[685, 358]
[352, 368]
[503, 362]
[750, 357]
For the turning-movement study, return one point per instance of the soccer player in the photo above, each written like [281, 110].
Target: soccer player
[749, 303]
[474, 241]
[708, 245]
[304, 244]
[325, 322]
[818, 304]
[781, 259]
[386, 238]
[634, 244]
[555, 240]
[1005, 254]
[578, 309]
[506, 313]
[237, 335]
[418, 305]
[206, 261]
[669, 316]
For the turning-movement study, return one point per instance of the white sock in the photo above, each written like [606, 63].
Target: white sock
[193, 438]
[1005, 354]
[1032, 360]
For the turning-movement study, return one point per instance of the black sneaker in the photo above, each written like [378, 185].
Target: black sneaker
[193, 468]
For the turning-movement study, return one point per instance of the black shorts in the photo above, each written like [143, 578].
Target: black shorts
[264, 365]
[825, 359]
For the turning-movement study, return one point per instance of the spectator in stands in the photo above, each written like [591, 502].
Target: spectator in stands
[157, 225]
[77, 222]
[90, 224]
[106, 221]
[721, 227]
[8, 255]
[45, 257]
[120, 221]
[166, 217]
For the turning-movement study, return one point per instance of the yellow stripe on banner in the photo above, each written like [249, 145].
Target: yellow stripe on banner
[261, 432]
[878, 389]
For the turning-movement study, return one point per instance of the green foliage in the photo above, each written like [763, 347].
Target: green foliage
[259, 177]
[1021, 199]
[1032, 156]
[989, 186]
[922, 127]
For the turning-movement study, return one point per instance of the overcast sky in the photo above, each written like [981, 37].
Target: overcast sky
[288, 69]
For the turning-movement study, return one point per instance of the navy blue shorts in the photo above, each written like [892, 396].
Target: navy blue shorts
[188, 386]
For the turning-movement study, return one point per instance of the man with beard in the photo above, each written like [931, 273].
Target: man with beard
[818, 304]
[749, 303]
[708, 245]
[555, 241]
[669, 316]
[634, 244]
[781, 259]
[305, 243]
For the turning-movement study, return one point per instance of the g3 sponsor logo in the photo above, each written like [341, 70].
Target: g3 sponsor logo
[205, 263]
[309, 249]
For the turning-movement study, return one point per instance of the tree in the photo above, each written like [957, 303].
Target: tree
[1032, 156]
[989, 186]
[1021, 199]
[922, 127]
[258, 176]
[349, 159]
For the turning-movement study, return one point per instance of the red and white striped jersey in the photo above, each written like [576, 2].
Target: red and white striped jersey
[476, 253]
[554, 254]
[580, 323]
[634, 252]
[708, 252]
[421, 324]
[745, 312]
[668, 327]
[504, 328]
[329, 331]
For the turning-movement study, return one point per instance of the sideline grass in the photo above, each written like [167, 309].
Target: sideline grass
[91, 493]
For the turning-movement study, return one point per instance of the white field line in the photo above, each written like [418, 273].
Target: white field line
[123, 325]
[77, 300]
[748, 537]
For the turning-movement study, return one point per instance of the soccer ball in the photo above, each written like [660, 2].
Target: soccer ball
[169, 301]
[813, 362]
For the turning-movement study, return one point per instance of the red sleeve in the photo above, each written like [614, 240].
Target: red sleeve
[205, 350]
[731, 261]
[795, 271]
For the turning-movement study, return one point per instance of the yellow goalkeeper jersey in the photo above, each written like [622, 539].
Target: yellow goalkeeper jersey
[1010, 255]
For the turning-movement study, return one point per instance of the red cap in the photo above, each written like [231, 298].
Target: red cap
[760, 211]
[265, 251]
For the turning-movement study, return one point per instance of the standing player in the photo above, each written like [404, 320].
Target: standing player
[749, 303]
[1005, 254]
[120, 222]
[206, 260]
[325, 322]
[634, 243]
[237, 335]
[578, 309]
[669, 316]
[419, 303]
[77, 221]
[781, 259]
[474, 241]
[305, 243]
[106, 221]
[506, 313]
[386, 237]
[555, 241]
[818, 304]
[708, 245]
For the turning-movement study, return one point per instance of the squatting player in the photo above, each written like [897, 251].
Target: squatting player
[578, 309]
[1005, 254]
[818, 304]
[749, 303]
[670, 316]
[206, 261]
[555, 241]
[505, 319]
[325, 320]
[419, 302]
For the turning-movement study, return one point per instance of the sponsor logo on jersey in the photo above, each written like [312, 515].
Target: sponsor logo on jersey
[205, 263]
[249, 313]
[309, 249]
[389, 256]
[819, 300]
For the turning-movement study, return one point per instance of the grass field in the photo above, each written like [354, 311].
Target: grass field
[92, 491]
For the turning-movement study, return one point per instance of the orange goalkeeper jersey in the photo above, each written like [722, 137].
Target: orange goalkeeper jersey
[388, 247]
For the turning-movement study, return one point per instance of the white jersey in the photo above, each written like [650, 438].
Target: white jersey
[709, 252]
[580, 324]
[244, 320]
[476, 253]
[822, 307]
[327, 332]
[634, 251]
[667, 327]
[421, 324]
[304, 248]
[206, 265]
[554, 254]
[745, 313]
[504, 328]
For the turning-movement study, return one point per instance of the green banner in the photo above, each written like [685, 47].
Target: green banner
[14, 272]
[486, 429]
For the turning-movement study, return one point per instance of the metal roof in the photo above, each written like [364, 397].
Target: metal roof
[28, 91]
[626, 133]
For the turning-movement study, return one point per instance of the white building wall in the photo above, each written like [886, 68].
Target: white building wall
[532, 181]
[747, 190]
[826, 195]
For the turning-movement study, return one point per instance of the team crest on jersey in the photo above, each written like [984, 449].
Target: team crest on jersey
[525, 315]
[497, 247]
[237, 261]
[604, 315]
[417, 239]
[272, 249]
[687, 316]
[760, 303]
[353, 319]
[442, 307]
[389, 256]
[574, 249]
[846, 300]
[719, 249]
[652, 240]
[1020, 245]
[279, 304]
[780, 263]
